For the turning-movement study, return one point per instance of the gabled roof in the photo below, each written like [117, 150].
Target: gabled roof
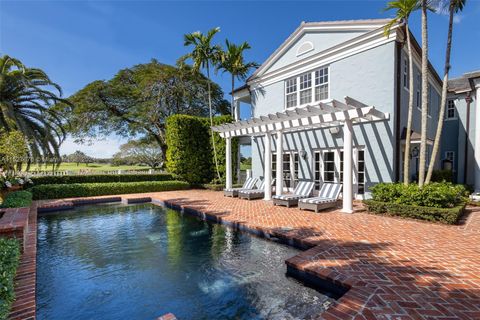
[341, 25]
[463, 83]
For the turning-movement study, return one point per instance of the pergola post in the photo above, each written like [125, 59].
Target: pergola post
[228, 164]
[268, 166]
[347, 167]
[279, 168]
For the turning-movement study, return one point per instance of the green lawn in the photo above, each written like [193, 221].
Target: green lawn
[90, 167]
[244, 166]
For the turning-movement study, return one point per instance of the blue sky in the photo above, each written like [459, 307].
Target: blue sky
[77, 42]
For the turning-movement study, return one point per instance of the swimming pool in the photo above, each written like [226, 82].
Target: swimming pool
[142, 261]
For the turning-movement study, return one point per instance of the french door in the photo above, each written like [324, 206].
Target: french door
[289, 170]
[328, 167]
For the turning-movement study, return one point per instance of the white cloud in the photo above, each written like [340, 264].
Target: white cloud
[457, 18]
[104, 148]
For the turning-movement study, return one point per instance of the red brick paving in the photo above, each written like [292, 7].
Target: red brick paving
[395, 268]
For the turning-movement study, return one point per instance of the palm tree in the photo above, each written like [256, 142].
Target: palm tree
[26, 102]
[404, 9]
[232, 61]
[423, 138]
[453, 7]
[204, 56]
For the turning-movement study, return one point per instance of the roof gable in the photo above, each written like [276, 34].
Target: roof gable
[314, 37]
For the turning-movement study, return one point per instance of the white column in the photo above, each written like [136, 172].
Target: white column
[236, 109]
[477, 138]
[228, 162]
[268, 167]
[279, 169]
[347, 167]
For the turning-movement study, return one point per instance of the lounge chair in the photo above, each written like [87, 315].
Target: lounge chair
[233, 192]
[254, 193]
[302, 190]
[327, 198]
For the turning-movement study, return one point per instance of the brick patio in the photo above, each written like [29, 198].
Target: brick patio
[395, 268]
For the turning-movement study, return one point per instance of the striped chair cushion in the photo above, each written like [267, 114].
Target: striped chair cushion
[288, 197]
[304, 188]
[318, 200]
[330, 190]
[248, 185]
[253, 191]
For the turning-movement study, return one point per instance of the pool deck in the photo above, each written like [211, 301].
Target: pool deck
[394, 268]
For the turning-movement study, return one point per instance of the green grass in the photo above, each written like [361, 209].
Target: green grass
[244, 166]
[91, 167]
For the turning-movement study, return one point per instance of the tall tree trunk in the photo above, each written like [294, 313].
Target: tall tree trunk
[423, 140]
[408, 137]
[211, 122]
[443, 100]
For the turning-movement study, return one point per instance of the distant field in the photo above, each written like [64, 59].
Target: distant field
[90, 167]
[244, 166]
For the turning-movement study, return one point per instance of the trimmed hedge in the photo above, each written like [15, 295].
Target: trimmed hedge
[189, 148]
[101, 178]
[9, 260]
[444, 215]
[218, 187]
[17, 199]
[58, 191]
[438, 195]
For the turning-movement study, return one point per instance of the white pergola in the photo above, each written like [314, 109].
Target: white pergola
[322, 115]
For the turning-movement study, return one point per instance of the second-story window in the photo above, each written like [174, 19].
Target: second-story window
[419, 86]
[450, 114]
[291, 92]
[307, 88]
[406, 78]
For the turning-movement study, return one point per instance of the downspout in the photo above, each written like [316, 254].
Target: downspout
[468, 99]
[397, 110]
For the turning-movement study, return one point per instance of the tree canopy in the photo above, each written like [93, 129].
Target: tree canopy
[137, 100]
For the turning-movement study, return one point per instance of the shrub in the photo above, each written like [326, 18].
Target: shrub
[101, 178]
[189, 148]
[218, 186]
[57, 191]
[444, 215]
[442, 176]
[438, 195]
[17, 199]
[9, 259]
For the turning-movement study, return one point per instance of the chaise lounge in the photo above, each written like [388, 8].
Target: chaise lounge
[254, 193]
[327, 198]
[233, 192]
[302, 190]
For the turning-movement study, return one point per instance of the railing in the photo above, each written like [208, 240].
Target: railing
[88, 172]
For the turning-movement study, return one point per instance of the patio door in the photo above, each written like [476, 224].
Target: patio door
[328, 168]
[289, 170]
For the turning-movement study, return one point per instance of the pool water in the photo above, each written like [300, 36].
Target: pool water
[142, 261]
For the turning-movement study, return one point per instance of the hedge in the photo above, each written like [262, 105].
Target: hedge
[101, 178]
[189, 148]
[57, 191]
[9, 260]
[17, 199]
[438, 195]
[444, 215]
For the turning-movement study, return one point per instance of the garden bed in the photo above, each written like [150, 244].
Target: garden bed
[443, 215]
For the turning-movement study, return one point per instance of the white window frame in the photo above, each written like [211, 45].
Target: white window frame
[406, 78]
[430, 102]
[312, 88]
[448, 158]
[296, 92]
[419, 92]
[450, 105]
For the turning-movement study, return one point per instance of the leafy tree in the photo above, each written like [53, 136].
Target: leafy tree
[26, 99]
[204, 56]
[13, 150]
[404, 9]
[140, 152]
[453, 6]
[78, 157]
[137, 100]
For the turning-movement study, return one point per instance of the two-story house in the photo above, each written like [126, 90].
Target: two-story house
[310, 105]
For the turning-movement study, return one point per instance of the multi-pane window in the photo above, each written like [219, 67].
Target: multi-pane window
[296, 162]
[361, 172]
[450, 155]
[406, 79]
[307, 88]
[430, 102]
[321, 84]
[291, 92]
[329, 166]
[450, 114]
[341, 166]
[316, 170]
[274, 165]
